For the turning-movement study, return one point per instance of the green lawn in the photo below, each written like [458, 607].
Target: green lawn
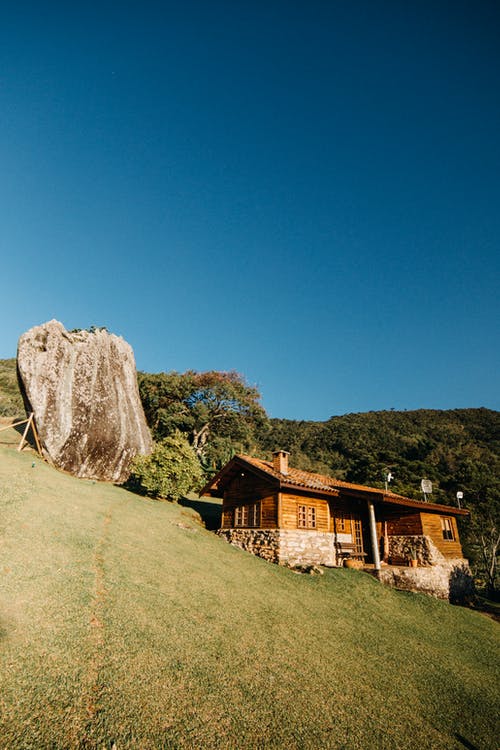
[11, 402]
[123, 621]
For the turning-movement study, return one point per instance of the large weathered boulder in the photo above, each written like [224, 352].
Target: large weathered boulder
[82, 388]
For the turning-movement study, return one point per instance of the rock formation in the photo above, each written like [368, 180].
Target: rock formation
[82, 388]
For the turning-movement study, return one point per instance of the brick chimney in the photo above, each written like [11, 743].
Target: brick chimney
[280, 461]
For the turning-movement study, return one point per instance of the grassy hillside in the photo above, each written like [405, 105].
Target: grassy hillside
[457, 449]
[123, 621]
[11, 403]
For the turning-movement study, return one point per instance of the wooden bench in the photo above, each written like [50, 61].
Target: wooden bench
[349, 549]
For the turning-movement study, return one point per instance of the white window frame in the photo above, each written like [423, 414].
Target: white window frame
[447, 529]
[247, 516]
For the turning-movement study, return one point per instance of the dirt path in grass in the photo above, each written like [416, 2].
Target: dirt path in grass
[91, 686]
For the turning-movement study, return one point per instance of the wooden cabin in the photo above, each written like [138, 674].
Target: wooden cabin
[295, 517]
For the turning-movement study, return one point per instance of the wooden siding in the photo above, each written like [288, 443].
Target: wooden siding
[404, 524]
[268, 511]
[279, 514]
[431, 523]
[227, 518]
[290, 503]
[335, 520]
[246, 489]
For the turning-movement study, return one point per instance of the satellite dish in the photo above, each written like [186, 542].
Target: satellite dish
[388, 477]
[426, 486]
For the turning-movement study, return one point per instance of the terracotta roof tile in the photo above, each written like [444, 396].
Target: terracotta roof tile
[312, 481]
[323, 483]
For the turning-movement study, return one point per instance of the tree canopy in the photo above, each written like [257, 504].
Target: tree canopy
[218, 411]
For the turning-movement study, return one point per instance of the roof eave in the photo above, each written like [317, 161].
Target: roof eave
[409, 503]
[333, 492]
[212, 487]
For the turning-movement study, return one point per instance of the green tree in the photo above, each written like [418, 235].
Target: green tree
[169, 472]
[484, 543]
[218, 411]
[481, 485]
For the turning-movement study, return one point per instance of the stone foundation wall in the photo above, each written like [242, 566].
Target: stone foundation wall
[450, 580]
[264, 543]
[304, 547]
[286, 547]
[445, 579]
[401, 546]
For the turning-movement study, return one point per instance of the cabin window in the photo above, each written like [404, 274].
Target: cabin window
[247, 515]
[447, 528]
[254, 514]
[340, 521]
[241, 515]
[306, 517]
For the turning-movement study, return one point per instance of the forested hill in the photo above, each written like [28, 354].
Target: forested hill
[456, 449]
[221, 415]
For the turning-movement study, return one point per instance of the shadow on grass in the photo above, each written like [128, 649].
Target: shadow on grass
[466, 743]
[209, 512]
[30, 438]
[132, 485]
[8, 438]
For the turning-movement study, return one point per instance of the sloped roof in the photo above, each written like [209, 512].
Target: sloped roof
[309, 480]
[306, 480]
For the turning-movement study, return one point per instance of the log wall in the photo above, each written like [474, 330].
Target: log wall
[431, 524]
[404, 524]
[246, 490]
[289, 505]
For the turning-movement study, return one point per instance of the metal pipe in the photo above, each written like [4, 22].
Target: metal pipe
[373, 534]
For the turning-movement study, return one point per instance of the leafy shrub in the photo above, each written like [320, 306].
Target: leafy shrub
[169, 472]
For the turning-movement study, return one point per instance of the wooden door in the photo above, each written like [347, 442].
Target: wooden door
[357, 535]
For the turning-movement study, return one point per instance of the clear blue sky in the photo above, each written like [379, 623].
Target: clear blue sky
[305, 192]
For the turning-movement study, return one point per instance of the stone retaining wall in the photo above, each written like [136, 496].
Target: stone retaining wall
[401, 546]
[286, 547]
[445, 579]
[450, 580]
[264, 543]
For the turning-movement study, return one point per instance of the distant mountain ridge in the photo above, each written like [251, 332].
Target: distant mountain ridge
[456, 449]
